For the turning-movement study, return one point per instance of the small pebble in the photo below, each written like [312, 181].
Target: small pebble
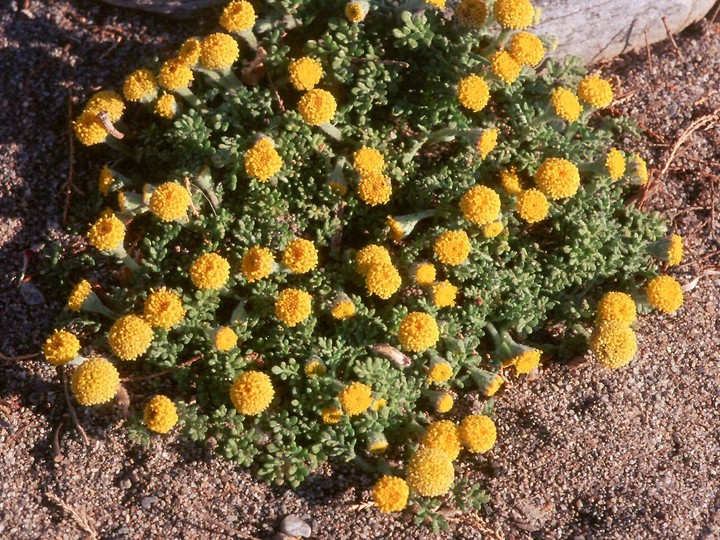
[294, 526]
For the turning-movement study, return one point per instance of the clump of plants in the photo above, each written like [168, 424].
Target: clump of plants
[340, 228]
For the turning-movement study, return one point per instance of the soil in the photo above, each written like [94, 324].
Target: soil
[582, 452]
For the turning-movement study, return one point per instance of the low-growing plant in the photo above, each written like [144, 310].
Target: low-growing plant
[331, 221]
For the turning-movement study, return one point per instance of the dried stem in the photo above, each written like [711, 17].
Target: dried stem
[71, 409]
[80, 519]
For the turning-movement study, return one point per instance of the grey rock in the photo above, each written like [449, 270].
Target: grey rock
[294, 526]
[147, 502]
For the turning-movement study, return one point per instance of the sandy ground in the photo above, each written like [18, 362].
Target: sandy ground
[583, 453]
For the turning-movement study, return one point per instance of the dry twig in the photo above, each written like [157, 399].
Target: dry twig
[71, 409]
[649, 54]
[160, 374]
[80, 519]
[18, 358]
[704, 122]
[672, 39]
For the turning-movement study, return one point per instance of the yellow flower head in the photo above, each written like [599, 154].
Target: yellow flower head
[257, 263]
[440, 371]
[595, 91]
[140, 85]
[615, 164]
[95, 381]
[175, 75]
[357, 11]
[106, 180]
[527, 49]
[377, 444]
[424, 273]
[60, 347]
[430, 472]
[293, 306]
[107, 233]
[89, 129]
[487, 142]
[444, 294]
[390, 494]
[418, 332]
[614, 344]
[558, 178]
[190, 51]
[478, 433]
[617, 307]
[665, 293]
[480, 205]
[368, 161]
[160, 414]
[166, 106]
[493, 386]
[305, 73]
[317, 107]
[106, 101]
[566, 104]
[641, 170]
[378, 404]
[371, 256]
[262, 160]
[505, 67]
[514, 14]
[219, 51]
[532, 206]
[225, 339]
[491, 230]
[675, 250]
[355, 398]
[345, 309]
[511, 182]
[78, 295]
[331, 415]
[130, 336]
[315, 367]
[525, 362]
[473, 93]
[472, 13]
[163, 309]
[444, 436]
[440, 4]
[395, 229]
[170, 201]
[300, 256]
[375, 189]
[238, 16]
[252, 392]
[452, 247]
[209, 271]
[444, 403]
[383, 280]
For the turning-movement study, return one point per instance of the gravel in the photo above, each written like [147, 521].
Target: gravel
[582, 453]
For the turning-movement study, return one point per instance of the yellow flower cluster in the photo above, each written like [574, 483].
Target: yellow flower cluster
[444, 403]
[615, 164]
[317, 107]
[89, 129]
[566, 104]
[480, 205]
[383, 280]
[418, 331]
[342, 310]
[107, 233]
[558, 178]
[595, 91]
[190, 52]
[439, 371]
[78, 295]
[106, 101]
[371, 256]
[525, 362]
[225, 339]
[675, 250]
[130, 336]
[452, 247]
[505, 67]
[514, 14]
[355, 398]
[170, 201]
[251, 393]
[300, 256]
[473, 93]
[238, 16]
[293, 306]
[209, 271]
[219, 51]
[511, 182]
[61, 347]
[527, 49]
[487, 142]
[430, 472]
[375, 189]
[140, 85]
[262, 161]
[314, 368]
[166, 106]
[163, 309]
[106, 180]
[390, 494]
[478, 433]
[95, 381]
[356, 11]
[424, 273]
[614, 344]
[443, 435]
[160, 414]
[472, 13]
[257, 264]
[493, 386]
[305, 73]
[618, 307]
[665, 293]
[175, 75]
[641, 170]
[444, 294]
[331, 415]
[368, 161]
[532, 206]
[491, 230]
